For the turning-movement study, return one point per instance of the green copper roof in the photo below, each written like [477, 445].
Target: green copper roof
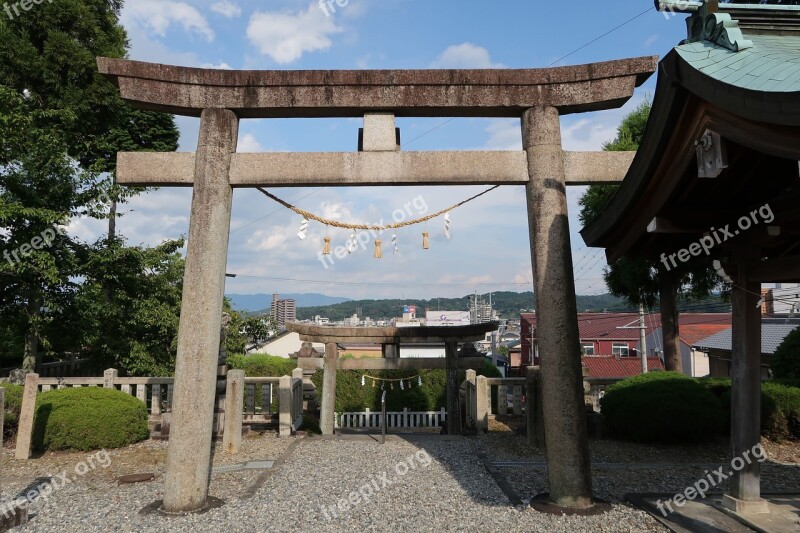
[771, 65]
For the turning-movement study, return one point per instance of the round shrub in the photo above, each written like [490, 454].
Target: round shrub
[13, 401]
[88, 418]
[662, 407]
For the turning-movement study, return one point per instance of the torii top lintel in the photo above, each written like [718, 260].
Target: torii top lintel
[351, 93]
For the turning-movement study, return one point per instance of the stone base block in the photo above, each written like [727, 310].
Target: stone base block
[744, 507]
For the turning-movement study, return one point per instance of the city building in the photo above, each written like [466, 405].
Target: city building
[282, 310]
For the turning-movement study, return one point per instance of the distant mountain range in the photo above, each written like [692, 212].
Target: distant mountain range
[259, 302]
[507, 305]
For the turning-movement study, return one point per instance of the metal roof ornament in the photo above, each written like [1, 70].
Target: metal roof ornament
[706, 24]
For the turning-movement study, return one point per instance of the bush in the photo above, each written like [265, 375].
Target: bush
[663, 407]
[13, 400]
[263, 365]
[786, 359]
[89, 418]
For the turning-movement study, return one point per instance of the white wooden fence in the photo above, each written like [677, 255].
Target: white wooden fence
[394, 419]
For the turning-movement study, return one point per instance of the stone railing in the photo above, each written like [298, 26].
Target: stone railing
[478, 392]
[263, 400]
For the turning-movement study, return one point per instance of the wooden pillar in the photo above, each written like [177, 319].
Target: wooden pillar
[453, 408]
[744, 492]
[326, 421]
[568, 464]
[189, 452]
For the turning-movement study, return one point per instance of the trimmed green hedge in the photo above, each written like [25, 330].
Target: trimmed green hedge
[263, 365]
[780, 406]
[13, 401]
[351, 396]
[88, 418]
[662, 407]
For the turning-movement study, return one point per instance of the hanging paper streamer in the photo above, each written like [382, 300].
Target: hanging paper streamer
[426, 242]
[419, 381]
[378, 253]
[447, 225]
[303, 229]
[401, 385]
[394, 244]
[352, 243]
[363, 380]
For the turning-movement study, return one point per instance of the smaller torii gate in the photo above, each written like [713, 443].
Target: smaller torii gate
[390, 339]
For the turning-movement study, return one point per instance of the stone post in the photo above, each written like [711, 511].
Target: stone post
[2, 413]
[533, 414]
[744, 492]
[453, 407]
[234, 401]
[26, 416]
[326, 421]
[483, 404]
[109, 377]
[189, 453]
[568, 463]
[285, 407]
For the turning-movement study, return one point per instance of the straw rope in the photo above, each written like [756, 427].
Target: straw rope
[336, 224]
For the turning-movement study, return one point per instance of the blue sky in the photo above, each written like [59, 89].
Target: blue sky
[489, 248]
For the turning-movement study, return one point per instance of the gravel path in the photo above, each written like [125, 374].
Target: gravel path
[425, 483]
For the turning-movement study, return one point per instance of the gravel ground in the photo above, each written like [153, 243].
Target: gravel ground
[414, 484]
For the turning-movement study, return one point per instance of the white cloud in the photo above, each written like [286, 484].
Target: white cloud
[158, 15]
[465, 55]
[226, 8]
[248, 143]
[221, 66]
[285, 36]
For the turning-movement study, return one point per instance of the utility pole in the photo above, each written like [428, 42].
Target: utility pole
[642, 339]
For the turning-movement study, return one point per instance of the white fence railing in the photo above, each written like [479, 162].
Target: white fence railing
[394, 419]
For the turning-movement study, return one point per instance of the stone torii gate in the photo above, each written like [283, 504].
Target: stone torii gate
[221, 98]
[390, 339]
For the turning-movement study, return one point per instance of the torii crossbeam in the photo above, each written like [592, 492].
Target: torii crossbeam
[222, 97]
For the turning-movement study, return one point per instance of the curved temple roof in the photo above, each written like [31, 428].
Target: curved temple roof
[750, 97]
[350, 93]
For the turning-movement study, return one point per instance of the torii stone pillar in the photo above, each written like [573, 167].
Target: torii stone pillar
[189, 453]
[568, 464]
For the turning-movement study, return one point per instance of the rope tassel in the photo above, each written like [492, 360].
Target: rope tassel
[426, 242]
[326, 250]
[378, 252]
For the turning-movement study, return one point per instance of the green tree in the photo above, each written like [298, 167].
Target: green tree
[62, 125]
[786, 360]
[642, 280]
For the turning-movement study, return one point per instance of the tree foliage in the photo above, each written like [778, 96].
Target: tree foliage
[61, 125]
[786, 359]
